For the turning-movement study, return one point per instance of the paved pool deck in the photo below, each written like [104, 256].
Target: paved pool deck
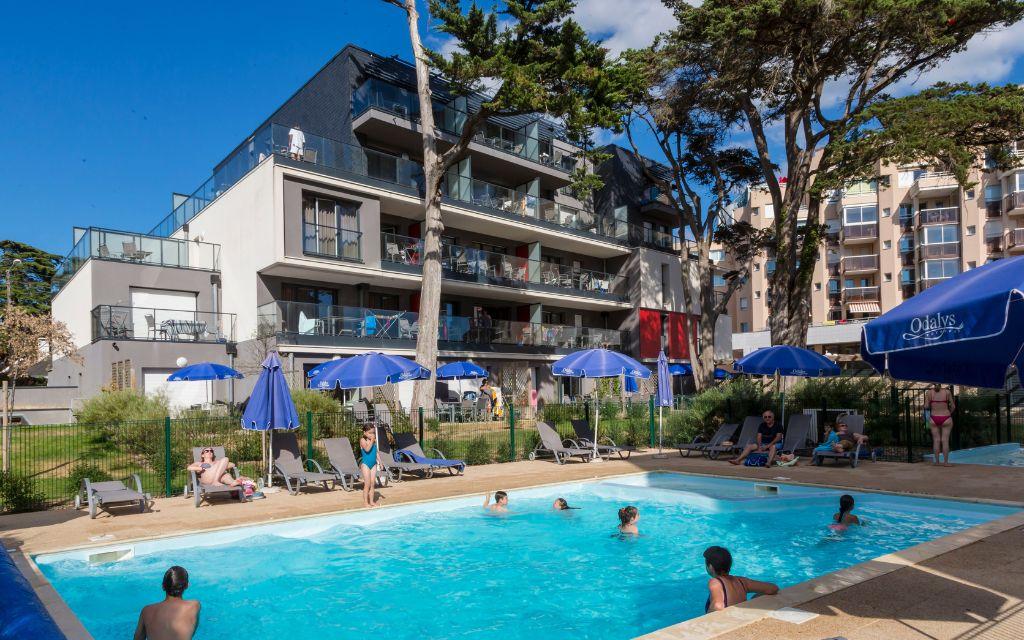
[968, 585]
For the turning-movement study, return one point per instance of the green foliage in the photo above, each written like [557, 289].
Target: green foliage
[86, 469]
[729, 401]
[311, 400]
[18, 493]
[31, 279]
[479, 451]
[504, 451]
[111, 407]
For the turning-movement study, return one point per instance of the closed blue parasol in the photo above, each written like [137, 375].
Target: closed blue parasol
[204, 371]
[631, 385]
[367, 370]
[786, 361]
[664, 397]
[966, 330]
[462, 370]
[599, 363]
[270, 404]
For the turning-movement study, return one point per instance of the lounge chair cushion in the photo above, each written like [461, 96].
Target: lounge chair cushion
[120, 495]
[434, 462]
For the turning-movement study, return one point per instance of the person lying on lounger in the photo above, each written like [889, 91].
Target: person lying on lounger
[214, 471]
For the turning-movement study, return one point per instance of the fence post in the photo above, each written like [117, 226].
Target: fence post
[824, 419]
[999, 419]
[309, 439]
[511, 433]
[957, 432]
[1009, 422]
[909, 420]
[421, 425]
[167, 456]
[650, 420]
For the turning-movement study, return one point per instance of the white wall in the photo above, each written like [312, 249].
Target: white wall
[73, 305]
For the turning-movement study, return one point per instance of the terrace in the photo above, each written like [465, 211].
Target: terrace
[116, 322]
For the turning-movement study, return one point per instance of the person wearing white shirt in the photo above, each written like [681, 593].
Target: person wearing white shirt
[296, 142]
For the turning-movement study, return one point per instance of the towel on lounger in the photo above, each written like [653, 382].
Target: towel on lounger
[435, 462]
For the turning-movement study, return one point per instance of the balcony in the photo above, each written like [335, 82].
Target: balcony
[994, 209]
[933, 184]
[640, 236]
[860, 233]
[135, 248]
[1014, 240]
[1013, 203]
[941, 215]
[860, 264]
[112, 322]
[926, 283]
[860, 294]
[467, 264]
[994, 244]
[940, 250]
[306, 323]
[326, 241]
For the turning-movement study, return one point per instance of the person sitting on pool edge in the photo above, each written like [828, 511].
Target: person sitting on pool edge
[769, 439]
[214, 471]
[173, 618]
[725, 590]
[500, 502]
[628, 517]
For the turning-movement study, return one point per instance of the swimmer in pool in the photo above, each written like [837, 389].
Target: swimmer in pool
[500, 502]
[844, 518]
[561, 505]
[628, 517]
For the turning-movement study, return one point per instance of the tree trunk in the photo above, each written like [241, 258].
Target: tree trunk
[430, 293]
[701, 343]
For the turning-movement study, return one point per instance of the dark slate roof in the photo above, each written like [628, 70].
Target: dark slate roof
[626, 156]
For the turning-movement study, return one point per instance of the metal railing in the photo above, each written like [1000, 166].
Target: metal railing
[173, 325]
[331, 242]
[136, 248]
[935, 180]
[642, 236]
[860, 263]
[860, 231]
[1013, 202]
[855, 294]
[940, 215]
[1014, 238]
[940, 250]
[478, 265]
[994, 209]
[308, 322]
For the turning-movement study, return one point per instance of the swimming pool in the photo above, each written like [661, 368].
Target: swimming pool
[447, 569]
[1000, 455]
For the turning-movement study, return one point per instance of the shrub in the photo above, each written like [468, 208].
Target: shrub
[504, 450]
[19, 493]
[560, 414]
[111, 407]
[527, 440]
[313, 401]
[479, 451]
[86, 469]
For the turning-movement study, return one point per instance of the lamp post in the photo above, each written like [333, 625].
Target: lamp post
[7, 408]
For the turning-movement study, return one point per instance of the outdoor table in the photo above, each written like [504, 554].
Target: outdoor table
[194, 328]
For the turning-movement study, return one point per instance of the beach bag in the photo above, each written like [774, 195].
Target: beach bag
[756, 460]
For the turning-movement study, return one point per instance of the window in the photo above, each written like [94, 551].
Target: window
[384, 301]
[940, 234]
[971, 230]
[907, 276]
[886, 277]
[769, 266]
[993, 193]
[887, 244]
[993, 229]
[744, 303]
[906, 244]
[937, 269]
[718, 255]
[833, 286]
[970, 194]
[860, 215]
[817, 286]
[906, 212]
[493, 248]
[753, 211]
[744, 327]
[757, 295]
[552, 317]
[886, 212]
[757, 266]
[906, 178]
[303, 293]
[1018, 181]
[717, 280]
[665, 293]
[769, 210]
[330, 226]
[862, 187]
[972, 264]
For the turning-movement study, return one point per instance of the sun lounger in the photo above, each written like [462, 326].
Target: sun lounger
[289, 465]
[552, 443]
[200, 490]
[855, 424]
[409, 447]
[100, 495]
[798, 434]
[585, 439]
[748, 434]
[723, 433]
[343, 462]
[396, 468]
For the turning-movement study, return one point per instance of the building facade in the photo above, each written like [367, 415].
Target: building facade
[306, 240]
[887, 239]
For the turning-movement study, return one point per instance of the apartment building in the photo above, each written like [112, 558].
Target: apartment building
[306, 240]
[888, 238]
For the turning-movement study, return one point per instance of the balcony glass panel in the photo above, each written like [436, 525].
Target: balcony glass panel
[173, 325]
[853, 294]
[859, 231]
[941, 215]
[332, 242]
[860, 263]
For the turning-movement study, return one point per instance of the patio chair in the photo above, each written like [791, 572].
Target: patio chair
[407, 329]
[394, 254]
[342, 458]
[288, 464]
[748, 432]
[723, 433]
[202, 491]
[410, 449]
[585, 438]
[152, 330]
[854, 424]
[551, 442]
[101, 495]
[394, 467]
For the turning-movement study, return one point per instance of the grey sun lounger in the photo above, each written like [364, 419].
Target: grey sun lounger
[397, 468]
[289, 465]
[748, 433]
[100, 495]
[342, 458]
[855, 424]
[410, 450]
[202, 491]
[585, 439]
[551, 442]
[798, 434]
[723, 433]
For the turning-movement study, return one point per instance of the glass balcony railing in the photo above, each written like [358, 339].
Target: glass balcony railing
[860, 231]
[173, 325]
[1014, 239]
[308, 322]
[331, 242]
[940, 215]
[477, 265]
[641, 236]
[1013, 202]
[136, 248]
[860, 263]
[857, 294]
[940, 250]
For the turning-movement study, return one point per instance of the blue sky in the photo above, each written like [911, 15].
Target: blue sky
[108, 109]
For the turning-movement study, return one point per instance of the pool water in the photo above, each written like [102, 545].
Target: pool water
[1000, 455]
[448, 569]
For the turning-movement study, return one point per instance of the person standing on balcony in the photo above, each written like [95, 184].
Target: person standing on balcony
[296, 143]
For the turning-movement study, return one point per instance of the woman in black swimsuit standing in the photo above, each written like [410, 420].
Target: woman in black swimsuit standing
[724, 589]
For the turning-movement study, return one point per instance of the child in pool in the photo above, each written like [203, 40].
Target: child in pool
[500, 502]
[844, 518]
[628, 517]
[561, 505]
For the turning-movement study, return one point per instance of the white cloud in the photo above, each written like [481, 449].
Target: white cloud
[624, 24]
[989, 57]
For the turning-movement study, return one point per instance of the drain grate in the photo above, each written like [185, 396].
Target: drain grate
[117, 555]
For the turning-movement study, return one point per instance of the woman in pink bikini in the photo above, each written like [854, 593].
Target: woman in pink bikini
[940, 406]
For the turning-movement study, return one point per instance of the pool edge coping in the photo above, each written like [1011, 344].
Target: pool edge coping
[700, 627]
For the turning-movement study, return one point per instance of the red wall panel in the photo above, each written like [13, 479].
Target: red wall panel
[649, 322]
[677, 346]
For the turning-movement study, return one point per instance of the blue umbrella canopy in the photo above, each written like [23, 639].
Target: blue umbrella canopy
[631, 385]
[462, 370]
[787, 361]
[270, 405]
[370, 369]
[204, 371]
[599, 363]
[664, 397]
[320, 367]
[967, 330]
[686, 369]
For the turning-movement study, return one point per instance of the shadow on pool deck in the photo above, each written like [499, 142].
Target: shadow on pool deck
[976, 589]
